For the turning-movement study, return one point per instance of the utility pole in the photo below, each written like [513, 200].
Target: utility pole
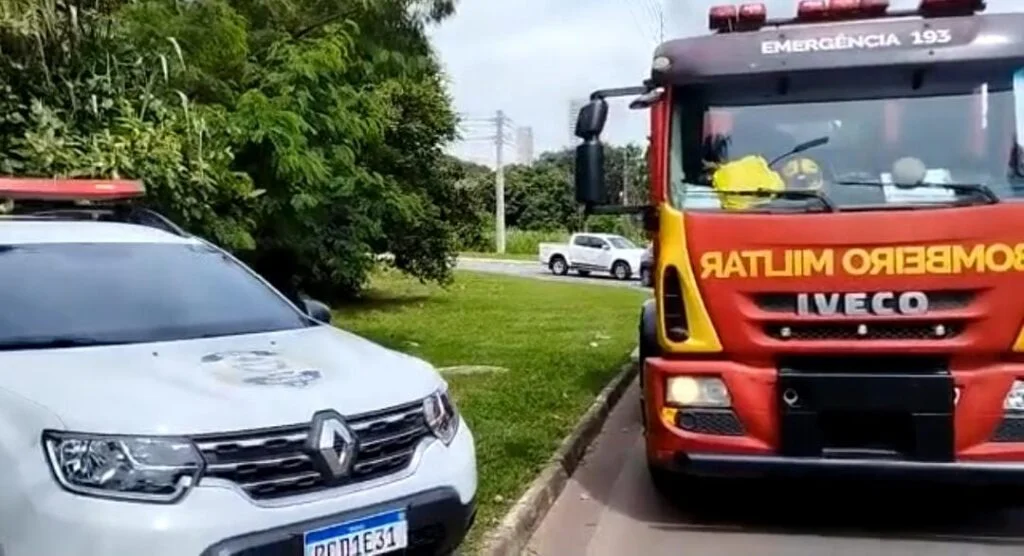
[499, 184]
[625, 175]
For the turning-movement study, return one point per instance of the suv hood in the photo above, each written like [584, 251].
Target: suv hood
[217, 384]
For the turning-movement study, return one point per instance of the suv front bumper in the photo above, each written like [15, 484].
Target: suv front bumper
[38, 517]
[438, 523]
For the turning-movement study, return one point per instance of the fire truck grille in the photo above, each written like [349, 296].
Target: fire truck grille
[721, 422]
[274, 463]
[858, 332]
[1010, 429]
[948, 300]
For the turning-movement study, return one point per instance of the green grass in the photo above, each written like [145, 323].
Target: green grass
[525, 242]
[561, 344]
[505, 256]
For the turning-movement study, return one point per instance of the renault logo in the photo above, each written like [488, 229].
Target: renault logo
[331, 445]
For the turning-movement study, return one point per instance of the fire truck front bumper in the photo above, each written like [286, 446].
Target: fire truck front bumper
[779, 467]
[727, 419]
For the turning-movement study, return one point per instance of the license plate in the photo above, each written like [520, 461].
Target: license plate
[378, 534]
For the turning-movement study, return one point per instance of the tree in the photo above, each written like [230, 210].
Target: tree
[309, 126]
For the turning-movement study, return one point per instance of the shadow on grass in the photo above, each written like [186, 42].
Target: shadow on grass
[384, 303]
[597, 378]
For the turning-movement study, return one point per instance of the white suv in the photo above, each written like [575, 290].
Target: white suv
[157, 397]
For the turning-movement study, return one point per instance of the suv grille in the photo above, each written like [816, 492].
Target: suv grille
[272, 463]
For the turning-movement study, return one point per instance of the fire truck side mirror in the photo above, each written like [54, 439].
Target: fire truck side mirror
[591, 119]
[590, 186]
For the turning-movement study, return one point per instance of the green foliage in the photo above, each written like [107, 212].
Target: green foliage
[308, 127]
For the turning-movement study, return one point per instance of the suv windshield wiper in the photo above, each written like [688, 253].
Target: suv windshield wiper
[786, 194]
[50, 342]
[978, 189]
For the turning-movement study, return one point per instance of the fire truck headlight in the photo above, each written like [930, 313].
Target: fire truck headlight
[690, 391]
[1015, 398]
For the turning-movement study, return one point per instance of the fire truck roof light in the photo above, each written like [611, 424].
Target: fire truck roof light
[812, 9]
[843, 7]
[951, 7]
[753, 14]
[42, 189]
[723, 18]
[874, 7]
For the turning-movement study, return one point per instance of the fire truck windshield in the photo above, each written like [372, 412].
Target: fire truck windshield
[877, 139]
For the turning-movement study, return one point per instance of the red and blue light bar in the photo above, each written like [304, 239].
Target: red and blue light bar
[753, 16]
[55, 189]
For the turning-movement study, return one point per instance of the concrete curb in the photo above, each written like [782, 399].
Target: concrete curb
[513, 533]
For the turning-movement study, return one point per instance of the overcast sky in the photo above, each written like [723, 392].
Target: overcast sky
[530, 58]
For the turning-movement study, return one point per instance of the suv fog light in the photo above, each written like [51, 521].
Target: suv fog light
[1015, 397]
[689, 391]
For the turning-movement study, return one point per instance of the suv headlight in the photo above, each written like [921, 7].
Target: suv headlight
[441, 415]
[142, 469]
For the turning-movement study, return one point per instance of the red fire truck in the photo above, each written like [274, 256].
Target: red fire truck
[838, 221]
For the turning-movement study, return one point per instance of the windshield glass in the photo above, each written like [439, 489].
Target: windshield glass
[621, 243]
[126, 293]
[863, 133]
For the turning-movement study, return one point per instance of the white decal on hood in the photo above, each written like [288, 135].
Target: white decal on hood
[260, 368]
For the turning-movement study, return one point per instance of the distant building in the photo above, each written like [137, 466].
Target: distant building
[524, 146]
[574, 109]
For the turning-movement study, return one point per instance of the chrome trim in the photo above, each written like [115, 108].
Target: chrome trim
[327, 493]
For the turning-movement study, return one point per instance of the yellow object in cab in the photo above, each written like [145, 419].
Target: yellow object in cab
[750, 173]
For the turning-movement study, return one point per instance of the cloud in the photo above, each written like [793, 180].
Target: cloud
[530, 58]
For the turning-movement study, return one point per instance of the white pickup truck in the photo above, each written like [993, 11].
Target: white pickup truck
[586, 253]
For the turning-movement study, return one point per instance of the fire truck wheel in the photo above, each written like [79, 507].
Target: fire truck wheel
[665, 482]
[558, 266]
[691, 494]
[621, 270]
[647, 346]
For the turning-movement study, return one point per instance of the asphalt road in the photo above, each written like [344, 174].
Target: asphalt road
[609, 508]
[531, 269]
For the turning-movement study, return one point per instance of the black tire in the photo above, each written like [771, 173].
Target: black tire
[645, 277]
[583, 273]
[558, 266]
[621, 270]
[665, 482]
[694, 495]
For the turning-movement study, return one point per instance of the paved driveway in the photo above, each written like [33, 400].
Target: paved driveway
[610, 509]
[531, 269]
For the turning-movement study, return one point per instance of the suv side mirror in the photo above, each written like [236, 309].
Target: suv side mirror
[317, 310]
[590, 185]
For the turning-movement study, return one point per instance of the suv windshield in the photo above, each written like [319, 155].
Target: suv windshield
[108, 293]
[948, 134]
